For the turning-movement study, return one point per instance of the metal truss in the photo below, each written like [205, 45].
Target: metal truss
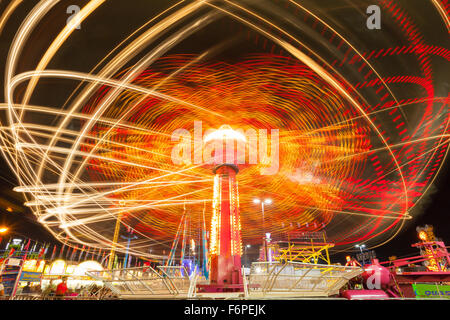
[307, 247]
[295, 279]
[146, 281]
[265, 280]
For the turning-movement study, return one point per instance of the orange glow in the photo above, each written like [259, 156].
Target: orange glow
[30, 265]
[130, 146]
[423, 235]
[58, 267]
[215, 240]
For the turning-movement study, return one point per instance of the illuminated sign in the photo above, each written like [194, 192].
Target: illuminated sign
[41, 266]
[29, 265]
[70, 269]
[87, 266]
[58, 267]
[431, 291]
[30, 276]
[13, 262]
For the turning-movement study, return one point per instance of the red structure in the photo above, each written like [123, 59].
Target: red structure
[431, 267]
[225, 245]
[397, 279]
[225, 237]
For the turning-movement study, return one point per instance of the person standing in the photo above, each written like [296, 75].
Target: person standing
[352, 262]
[27, 288]
[49, 290]
[61, 289]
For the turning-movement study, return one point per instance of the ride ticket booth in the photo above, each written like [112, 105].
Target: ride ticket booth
[32, 271]
[16, 273]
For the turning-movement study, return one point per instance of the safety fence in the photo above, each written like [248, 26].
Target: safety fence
[171, 281]
[264, 280]
[296, 279]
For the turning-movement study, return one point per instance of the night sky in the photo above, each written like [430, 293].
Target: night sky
[433, 210]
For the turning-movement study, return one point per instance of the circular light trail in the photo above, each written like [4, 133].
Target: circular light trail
[339, 137]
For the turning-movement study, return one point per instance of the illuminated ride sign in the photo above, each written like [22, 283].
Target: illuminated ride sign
[431, 291]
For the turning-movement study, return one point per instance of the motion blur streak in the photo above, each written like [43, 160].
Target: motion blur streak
[361, 122]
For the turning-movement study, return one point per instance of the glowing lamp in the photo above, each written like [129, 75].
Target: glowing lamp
[29, 265]
[223, 133]
[219, 147]
[70, 269]
[86, 266]
[58, 267]
[3, 230]
[423, 236]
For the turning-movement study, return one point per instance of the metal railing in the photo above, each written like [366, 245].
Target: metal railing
[265, 280]
[297, 279]
[147, 281]
[100, 294]
[53, 297]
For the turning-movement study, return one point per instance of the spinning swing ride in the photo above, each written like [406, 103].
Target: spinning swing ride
[345, 135]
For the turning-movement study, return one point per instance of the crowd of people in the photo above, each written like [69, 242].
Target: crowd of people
[61, 291]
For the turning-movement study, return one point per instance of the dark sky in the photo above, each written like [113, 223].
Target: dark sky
[435, 212]
[435, 209]
[20, 221]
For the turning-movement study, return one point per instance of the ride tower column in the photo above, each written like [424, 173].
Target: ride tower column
[225, 233]
[226, 243]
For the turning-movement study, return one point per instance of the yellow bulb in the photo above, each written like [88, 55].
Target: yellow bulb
[423, 235]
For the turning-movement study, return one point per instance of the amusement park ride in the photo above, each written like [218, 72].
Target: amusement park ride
[299, 269]
[306, 247]
[403, 278]
[295, 264]
[225, 238]
[430, 267]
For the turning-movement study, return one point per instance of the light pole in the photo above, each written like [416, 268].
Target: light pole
[361, 247]
[266, 201]
[129, 238]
